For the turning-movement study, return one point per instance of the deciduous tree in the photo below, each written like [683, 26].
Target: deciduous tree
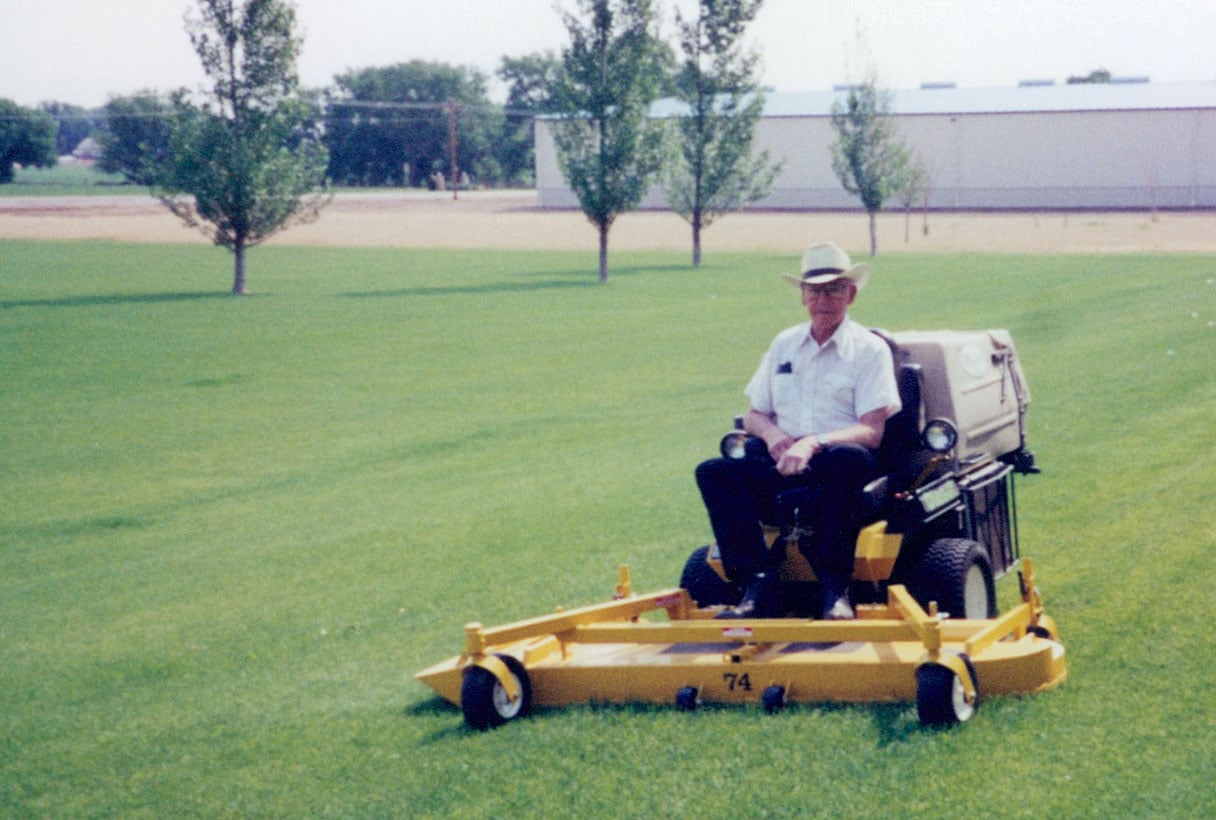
[137, 134]
[73, 124]
[1098, 75]
[390, 125]
[867, 153]
[716, 170]
[608, 149]
[27, 138]
[531, 81]
[245, 164]
[911, 187]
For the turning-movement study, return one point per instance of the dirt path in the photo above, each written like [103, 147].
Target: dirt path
[513, 220]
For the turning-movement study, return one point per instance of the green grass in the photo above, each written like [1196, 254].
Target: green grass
[233, 529]
[73, 179]
[79, 179]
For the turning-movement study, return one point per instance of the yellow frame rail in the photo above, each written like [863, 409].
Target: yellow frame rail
[607, 652]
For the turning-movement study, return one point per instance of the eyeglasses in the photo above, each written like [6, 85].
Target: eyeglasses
[833, 290]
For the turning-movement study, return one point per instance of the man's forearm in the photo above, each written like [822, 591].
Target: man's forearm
[762, 426]
[867, 432]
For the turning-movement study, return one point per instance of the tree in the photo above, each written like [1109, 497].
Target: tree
[27, 138]
[608, 149]
[717, 171]
[1098, 75]
[244, 165]
[910, 187]
[72, 125]
[137, 135]
[531, 81]
[391, 125]
[867, 152]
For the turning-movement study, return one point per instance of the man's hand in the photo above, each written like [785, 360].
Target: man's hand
[797, 456]
[791, 455]
[777, 448]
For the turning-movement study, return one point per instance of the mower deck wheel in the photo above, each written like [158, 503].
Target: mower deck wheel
[940, 697]
[484, 700]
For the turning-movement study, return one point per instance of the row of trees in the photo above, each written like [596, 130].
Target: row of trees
[255, 152]
[250, 158]
[384, 126]
[611, 152]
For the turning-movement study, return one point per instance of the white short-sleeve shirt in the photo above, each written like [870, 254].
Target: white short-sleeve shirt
[810, 388]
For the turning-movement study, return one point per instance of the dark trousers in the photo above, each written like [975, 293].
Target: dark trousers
[740, 493]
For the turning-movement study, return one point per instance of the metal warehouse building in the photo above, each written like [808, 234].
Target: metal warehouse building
[1135, 145]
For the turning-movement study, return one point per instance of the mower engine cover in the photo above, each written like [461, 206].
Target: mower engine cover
[974, 380]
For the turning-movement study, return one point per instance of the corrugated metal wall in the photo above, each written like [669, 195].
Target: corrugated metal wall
[1098, 159]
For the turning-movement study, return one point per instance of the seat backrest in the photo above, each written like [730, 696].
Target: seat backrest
[901, 435]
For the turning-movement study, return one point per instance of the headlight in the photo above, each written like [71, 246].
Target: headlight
[940, 436]
[734, 444]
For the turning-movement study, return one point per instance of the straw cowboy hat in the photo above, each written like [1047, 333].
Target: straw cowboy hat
[827, 263]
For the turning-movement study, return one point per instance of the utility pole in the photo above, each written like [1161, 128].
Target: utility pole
[452, 109]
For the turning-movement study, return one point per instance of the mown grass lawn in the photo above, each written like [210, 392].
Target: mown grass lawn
[233, 529]
[67, 179]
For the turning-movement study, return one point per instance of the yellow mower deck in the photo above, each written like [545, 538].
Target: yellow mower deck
[608, 653]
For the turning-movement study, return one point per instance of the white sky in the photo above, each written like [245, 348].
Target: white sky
[84, 51]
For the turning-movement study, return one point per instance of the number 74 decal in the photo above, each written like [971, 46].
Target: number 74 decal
[735, 681]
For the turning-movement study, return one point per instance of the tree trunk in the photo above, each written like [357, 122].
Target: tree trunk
[696, 238]
[873, 234]
[238, 276]
[604, 253]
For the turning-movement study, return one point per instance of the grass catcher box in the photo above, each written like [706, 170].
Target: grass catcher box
[972, 379]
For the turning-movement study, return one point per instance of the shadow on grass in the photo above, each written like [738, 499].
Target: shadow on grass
[63, 530]
[579, 279]
[432, 707]
[468, 290]
[438, 708]
[896, 723]
[115, 299]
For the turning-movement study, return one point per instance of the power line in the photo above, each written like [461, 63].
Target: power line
[440, 107]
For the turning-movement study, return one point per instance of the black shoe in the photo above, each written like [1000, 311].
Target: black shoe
[760, 600]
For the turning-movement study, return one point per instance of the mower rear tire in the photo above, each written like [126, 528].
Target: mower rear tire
[957, 574]
[704, 585]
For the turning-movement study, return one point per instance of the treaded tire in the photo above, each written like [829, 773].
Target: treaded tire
[957, 574]
[939, 695]
[483, 700]
[704, 585]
